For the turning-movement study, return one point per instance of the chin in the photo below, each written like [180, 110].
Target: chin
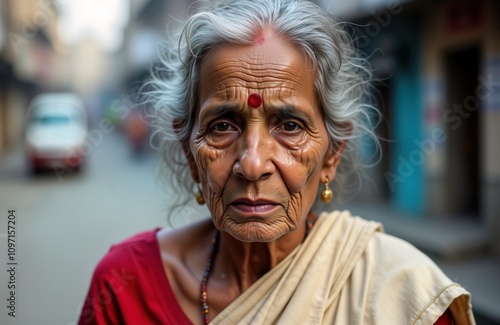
[255, 232]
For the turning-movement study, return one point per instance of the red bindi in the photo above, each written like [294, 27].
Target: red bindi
[254, 100]
[260, 40]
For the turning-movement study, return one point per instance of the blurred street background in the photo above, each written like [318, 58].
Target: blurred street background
[437, 184]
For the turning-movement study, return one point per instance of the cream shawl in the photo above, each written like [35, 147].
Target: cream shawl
[348, 272]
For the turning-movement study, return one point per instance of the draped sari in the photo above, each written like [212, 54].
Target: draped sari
[348, 271]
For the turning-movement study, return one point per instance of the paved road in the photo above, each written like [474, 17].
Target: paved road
[64, 227]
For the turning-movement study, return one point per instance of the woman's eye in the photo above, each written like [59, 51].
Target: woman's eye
[222, 133]
[290, 126]
[222, 126]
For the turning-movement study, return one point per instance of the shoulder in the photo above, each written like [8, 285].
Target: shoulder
[393, 276]
[398, 263]
[396, 251]
[386, 249]
[120, 279]
[125, 253]
[408, 280]
[136, 243]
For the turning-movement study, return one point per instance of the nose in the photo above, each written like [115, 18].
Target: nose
[255, 160]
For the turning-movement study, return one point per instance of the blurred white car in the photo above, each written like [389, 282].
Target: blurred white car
[56, 131]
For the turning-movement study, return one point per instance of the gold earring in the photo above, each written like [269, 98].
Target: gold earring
[326, 194]
[199, 196]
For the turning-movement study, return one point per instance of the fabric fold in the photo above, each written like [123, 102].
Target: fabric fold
[308, 279]
[348, 271]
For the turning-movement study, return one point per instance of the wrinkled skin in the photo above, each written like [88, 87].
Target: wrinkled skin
[259, 167]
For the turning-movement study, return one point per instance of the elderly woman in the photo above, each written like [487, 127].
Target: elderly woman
[259, 104]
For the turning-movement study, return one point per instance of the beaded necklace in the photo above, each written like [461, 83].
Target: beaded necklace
[204, 279]
[208, 270]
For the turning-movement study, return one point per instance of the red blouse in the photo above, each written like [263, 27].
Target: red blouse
[129, 286]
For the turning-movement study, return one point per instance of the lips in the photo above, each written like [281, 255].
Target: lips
[254, 207]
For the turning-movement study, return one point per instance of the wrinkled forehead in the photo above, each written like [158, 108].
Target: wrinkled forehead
[270, 64]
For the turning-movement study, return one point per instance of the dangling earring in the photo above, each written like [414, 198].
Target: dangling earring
[199, 196]
[326, 194]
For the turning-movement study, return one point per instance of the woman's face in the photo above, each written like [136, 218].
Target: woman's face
[259, 167]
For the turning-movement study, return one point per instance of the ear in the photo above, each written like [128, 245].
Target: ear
[332, 161]
[187, 152]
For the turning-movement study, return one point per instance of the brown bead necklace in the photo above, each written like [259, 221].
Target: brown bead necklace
[204, 279]
[208, 270]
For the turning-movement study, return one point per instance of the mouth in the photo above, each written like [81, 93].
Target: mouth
[254, 207]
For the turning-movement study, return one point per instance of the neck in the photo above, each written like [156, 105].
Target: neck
[240, 264]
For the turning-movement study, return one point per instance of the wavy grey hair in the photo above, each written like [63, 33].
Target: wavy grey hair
[342, 77]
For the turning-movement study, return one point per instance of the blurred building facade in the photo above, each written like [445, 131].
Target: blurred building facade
[26, 52]
[153, 23]
[439, 62]
[34, 59]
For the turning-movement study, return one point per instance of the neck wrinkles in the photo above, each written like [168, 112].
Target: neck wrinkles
[242, 263]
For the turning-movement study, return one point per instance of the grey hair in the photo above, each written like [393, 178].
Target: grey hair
[342, 78]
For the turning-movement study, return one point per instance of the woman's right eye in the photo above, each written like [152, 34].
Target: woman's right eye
[222, 126]
[222, 133]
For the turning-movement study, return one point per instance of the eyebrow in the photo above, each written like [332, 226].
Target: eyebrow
[219, 111]
[287, 112]
[283, 112]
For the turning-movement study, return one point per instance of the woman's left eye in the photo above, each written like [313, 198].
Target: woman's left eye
[290, 126]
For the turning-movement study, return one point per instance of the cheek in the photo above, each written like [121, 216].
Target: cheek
[303, 166]
[213, 168]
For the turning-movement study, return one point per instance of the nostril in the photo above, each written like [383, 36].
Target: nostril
[237, 169]
[265, 175]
